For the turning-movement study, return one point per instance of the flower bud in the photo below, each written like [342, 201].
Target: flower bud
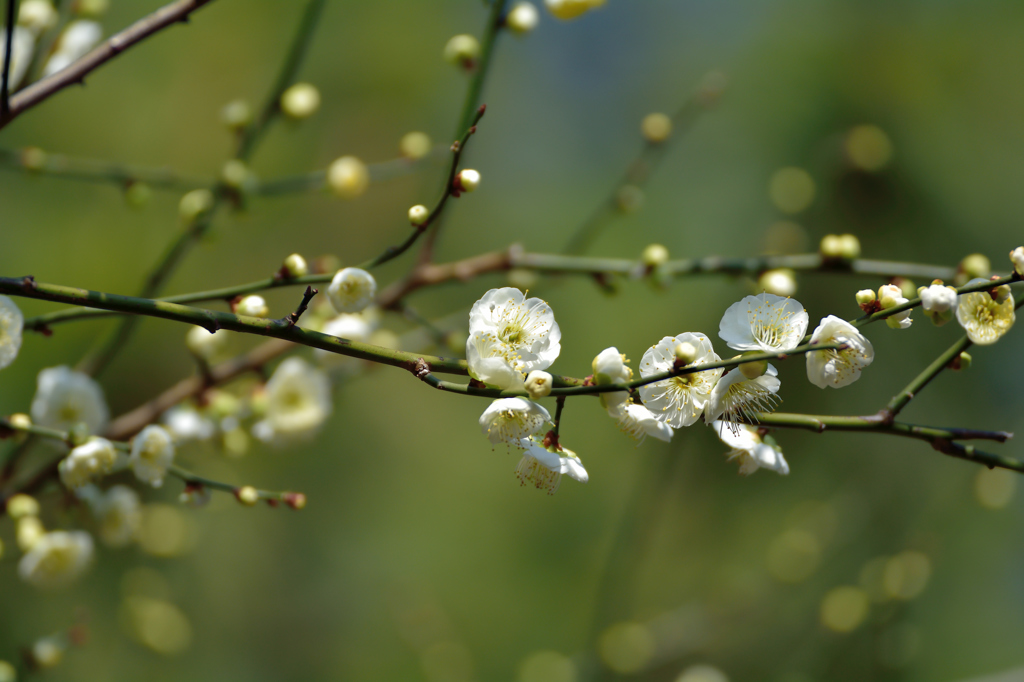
[37, 16]
[1001, 293]
[654, 255]
[348, 177]
[831, 246]
[91, 8]
[296, 501]
[194, 204]
[295, 266]
[849, 246]
[538, 384]
[656, 127]
[522, 18]
[247, 495]
[29, 531]
[890, 296]
[865, 297]
[202, 344]
[33, 159]
[252, 306]
[414, 145]
[753, 370]
[906, 286]
[937, 302]
[22, 505]
[137, 194]
[418, 214]
[974, 266]
[236, 115]
[461, 50]
[1017, 258]
[467, 180]
[47, 652]
[20, 422]
[685, 353]
[781, 282]
[963, 361]
[351, 290]
[300, 101]
[235, 173]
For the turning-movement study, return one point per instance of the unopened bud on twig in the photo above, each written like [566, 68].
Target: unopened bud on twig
[973, 266]
[462, 50]
[300, 101]
[348, 177]
[252, 306]
[295, 266]
[522, 18]
[235, 173]
[22, 505]
[781, 282]
[467, 180]
[418, 214]
[414, 145]
[538, 384]
[1016, 257]
[685, 353]
[752, 370]
[194, 204]
[654, 255]
[656, 127]
[247, 495]
[236, 114]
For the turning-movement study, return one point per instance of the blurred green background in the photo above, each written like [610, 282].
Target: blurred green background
[419, 557]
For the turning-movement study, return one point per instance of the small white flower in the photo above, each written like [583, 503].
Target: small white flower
[544, 468]
[298, 402]
[11, 323]
[1017, 258]
[983, 318]
[937, 302]
[57, 559]
[678, 401]
[838, 368]
[487, 362]
[351, 290]
[351, 326]
[186, 424]
[88, 462]
[22, 43]
[65, 398]
[747, 446]
[890, 296]
[75, 42]
[524, 330]
[152, 454]
[639, 422]
[736, 398]
[764, 322]
[119, 514]
[510, 420]
[610, 368]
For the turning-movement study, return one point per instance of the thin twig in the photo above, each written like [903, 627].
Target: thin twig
[192, 480]
[107, 50]
[5, 93]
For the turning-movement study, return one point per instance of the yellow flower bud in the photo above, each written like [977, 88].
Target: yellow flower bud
[194, 204]
[247, 495]
[467, 180]
[685, 353]
[252, 306]
[22, 505]
[295, 266]
[849, 246]
[752, 370]
[781, 282]
[414, 145]
[522, 18]
[654, 255]
[30, 531]
[236, 115]
[865, 297]
[656, 127]
[461, 50]
[235, 173]
[974, 266]
[348, 177]
[570, 9]
[418, 214]
[538, 384]
[300, 101]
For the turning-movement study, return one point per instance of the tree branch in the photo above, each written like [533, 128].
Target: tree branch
[113, 46]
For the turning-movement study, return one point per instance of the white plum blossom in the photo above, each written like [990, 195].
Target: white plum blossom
[152, 453]
[487, 363]
[984, 318]
[351, 290]
[890, 296]
[639, 422]
[937, 302]
[748, 447]
[57, 559]
[610, 368]
[764, 322]
[77, 39]
[1017, 258]
[543, 468]
[65, 398]
[298, 402]
[838, 368]
[736, 398]
[11, 323]
[678, 401]
[350, 326]
[510, 420]
[523, 331]
[87, 462]
[186, 424]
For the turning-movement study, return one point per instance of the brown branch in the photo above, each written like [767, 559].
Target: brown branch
[115, 45]
[130, 423]
[427, 274]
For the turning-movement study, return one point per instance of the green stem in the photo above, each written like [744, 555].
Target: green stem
[93, 170]
[901, 399]
[293, 499]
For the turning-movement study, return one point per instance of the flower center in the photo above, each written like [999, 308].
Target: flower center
[770, 325]
[983, 314]
[512, 334]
